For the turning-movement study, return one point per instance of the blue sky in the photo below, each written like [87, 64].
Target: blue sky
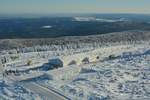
[74, 6]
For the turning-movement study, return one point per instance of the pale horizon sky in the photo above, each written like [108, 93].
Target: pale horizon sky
[74, 6]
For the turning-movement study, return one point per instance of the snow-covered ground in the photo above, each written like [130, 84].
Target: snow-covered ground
[114, 72]
[86, 19]
[122, 78]
[46, 27]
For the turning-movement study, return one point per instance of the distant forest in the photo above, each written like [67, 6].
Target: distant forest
[49, 27]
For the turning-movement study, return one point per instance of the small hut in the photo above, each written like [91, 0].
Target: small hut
[56, 62]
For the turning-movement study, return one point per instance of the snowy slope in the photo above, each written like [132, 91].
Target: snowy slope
[119, 71]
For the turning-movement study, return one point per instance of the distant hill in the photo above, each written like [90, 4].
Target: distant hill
[103, 39]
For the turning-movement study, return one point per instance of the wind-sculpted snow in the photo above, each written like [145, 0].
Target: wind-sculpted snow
[122, 78]
[118, 79]
[108, 72]
[16, 92]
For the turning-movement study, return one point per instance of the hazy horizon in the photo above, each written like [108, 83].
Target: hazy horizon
[74, 6]
[49, 15]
